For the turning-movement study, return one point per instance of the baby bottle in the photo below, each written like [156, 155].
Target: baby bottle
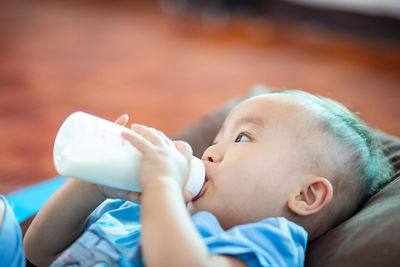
[92, 149]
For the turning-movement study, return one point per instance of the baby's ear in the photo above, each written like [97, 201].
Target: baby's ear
[315, 194]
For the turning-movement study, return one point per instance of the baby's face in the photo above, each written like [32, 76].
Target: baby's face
[253, 165]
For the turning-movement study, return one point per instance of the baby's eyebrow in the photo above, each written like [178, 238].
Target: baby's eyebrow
[257, 121]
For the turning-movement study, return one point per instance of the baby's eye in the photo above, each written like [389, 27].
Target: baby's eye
[242, 137]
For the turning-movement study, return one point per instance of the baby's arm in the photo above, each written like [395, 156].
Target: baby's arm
[60, 221]
[169, 237]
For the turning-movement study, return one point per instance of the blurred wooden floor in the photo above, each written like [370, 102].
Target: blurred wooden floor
[166, 71]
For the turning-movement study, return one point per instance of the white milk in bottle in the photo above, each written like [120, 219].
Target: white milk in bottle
[92, 149]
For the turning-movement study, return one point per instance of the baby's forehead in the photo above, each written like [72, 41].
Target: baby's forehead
[273, 108]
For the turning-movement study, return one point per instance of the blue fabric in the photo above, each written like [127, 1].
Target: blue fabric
[270, 242]
[112, 238]
[28, 201]
[11, 252]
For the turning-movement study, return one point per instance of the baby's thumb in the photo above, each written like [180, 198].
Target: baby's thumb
[185, 149]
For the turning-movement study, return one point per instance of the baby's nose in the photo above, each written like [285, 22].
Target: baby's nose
[212, 154]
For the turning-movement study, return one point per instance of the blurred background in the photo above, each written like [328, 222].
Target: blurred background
[168, 63]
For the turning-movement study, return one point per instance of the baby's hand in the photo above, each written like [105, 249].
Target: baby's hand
[161, 157]
[110, 192]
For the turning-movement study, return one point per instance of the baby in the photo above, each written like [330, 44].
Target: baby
[284, 168]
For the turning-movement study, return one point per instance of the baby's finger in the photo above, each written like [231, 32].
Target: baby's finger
[122, 120]
[164, 138]
[148, 133]
[138, 141]
[184, 148]
[187, 195]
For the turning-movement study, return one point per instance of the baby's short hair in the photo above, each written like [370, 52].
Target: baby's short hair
[366, 161]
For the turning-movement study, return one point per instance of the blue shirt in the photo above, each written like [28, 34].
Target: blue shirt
[112, 238]
[11, 252]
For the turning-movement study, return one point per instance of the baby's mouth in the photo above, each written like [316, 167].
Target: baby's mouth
[202, 190]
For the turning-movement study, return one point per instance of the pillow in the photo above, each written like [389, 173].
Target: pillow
[369, 238]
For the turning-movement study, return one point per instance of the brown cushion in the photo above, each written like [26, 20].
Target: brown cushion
[369, 238]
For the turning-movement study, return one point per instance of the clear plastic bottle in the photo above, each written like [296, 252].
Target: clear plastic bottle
[92, 149]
